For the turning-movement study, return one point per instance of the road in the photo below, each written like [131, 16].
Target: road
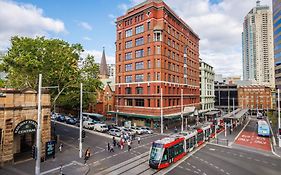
[217, 160]
[102, 159]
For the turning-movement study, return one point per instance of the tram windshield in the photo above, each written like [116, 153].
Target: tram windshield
[156, 153]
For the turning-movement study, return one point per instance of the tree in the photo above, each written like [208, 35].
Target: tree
[55, 59]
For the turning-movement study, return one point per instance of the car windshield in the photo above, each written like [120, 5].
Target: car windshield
[156, 153]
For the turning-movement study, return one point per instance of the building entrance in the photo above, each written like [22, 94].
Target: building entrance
[24, 139]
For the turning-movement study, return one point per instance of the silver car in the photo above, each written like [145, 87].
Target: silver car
[115, 132]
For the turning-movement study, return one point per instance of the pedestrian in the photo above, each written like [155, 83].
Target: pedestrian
[60, 147]
[139, 140]
[121, 144]
[108, 146]
[114, 142]
[166, 127]
[129, 145]
[111, 148]
[176, 129]
[87, 155]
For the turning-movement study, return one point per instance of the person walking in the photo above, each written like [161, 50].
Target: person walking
[139, 140]
[108, 146]
[87, 155]
[111, 148]
[114, 142]
[129, 145]
[121, 144]
[60, 147]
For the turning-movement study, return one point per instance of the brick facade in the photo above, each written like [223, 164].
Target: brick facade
[158, 50]
[17, 106]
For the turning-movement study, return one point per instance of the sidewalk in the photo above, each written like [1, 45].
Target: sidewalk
[68, 159]
[230, 138]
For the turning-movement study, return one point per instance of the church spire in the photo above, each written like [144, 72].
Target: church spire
[103, 66]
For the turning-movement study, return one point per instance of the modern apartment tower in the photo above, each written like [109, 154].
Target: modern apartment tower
[155, 49]
[276, 5]
[257, 46]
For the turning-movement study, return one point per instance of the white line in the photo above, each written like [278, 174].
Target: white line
[55, 169]
[240, 132]
[165, 171]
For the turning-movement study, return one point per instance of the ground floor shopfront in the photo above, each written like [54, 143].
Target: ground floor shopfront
[18, 123]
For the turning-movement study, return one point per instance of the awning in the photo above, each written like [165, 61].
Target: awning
[142, 116]
[212, 113]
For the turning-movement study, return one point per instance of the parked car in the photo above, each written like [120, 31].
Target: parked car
[115, 132]
[129, 131]
[70, 121]
[137, 130]
[61, 118]
[88, 125]
[112, 126]
[100, 127]
[147, 130]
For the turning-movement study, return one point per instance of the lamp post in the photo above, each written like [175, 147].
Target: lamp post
[38, 130]
[81, 119]
[181, 109]
[161, 110]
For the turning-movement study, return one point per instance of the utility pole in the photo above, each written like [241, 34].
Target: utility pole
[38, 131]
[161, 105]
[181, 109]
[81, 121]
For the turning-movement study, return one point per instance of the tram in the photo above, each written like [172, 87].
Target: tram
[171, 149]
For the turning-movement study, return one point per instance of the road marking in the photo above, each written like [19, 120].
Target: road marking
[196, 172]
[240, 132]
[212, 149]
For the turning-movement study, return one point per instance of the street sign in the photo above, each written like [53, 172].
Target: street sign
[50, 149]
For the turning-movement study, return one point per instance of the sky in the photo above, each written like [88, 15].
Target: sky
[219, 24]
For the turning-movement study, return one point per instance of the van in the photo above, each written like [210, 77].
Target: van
[88, 124]
[100, 127]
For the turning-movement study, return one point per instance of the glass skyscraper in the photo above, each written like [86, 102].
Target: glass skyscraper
[276, 5]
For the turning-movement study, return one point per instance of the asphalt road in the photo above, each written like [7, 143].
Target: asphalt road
[101, 159]
[217, 160]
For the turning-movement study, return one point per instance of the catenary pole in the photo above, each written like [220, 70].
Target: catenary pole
[81, 121]
[161, 110]
[181, 109]
[38, 131]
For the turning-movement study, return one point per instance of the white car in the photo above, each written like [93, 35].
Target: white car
[147, 130]
[100, 127]
[138, 130]
[115, 132]
[88, 125]
[129, 131]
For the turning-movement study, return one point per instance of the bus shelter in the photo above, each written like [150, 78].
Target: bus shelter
[237, 118]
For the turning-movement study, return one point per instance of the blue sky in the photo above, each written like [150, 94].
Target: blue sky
[91, 23]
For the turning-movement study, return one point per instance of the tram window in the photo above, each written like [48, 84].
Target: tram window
[165, 156]
[180, 148]
[187, 143]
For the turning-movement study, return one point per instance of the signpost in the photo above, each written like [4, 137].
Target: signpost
[50, 149]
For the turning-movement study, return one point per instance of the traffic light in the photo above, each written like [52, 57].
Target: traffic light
[34, 152]
[83, 134]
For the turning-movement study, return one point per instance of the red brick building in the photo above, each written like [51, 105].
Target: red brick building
[155, 49]
[255, 97]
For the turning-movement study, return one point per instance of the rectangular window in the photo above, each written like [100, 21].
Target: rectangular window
[128, 90]
[119, 35]
[158, 90]
[139, 102]
[139, 53]
[148, 51]
[157, 76]
[139, 77]
[139, 90]
[148, 64]
[169, 41]
[128, 56]
[148, 25]
[158, 103]
[148, 38]
[148, 77]
[158, 49]
[128, 67]
[157, 36]
[139, 65]
[185, 70]
[119, 46]
[120, 68]
[139, 41]
[119, 57]
[128, 44]
[129, 33]
[139, 29]
[158, 63]
[148, 89]
[128, 78]
[148, 102]
[129, 102]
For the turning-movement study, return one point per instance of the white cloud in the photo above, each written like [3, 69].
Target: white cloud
[24, 20]
[85, 25]
[87, 38]
[98, 54]
[112, 19]
[219, 27]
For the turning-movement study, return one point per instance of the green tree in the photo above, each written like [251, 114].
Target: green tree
[55, 59]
